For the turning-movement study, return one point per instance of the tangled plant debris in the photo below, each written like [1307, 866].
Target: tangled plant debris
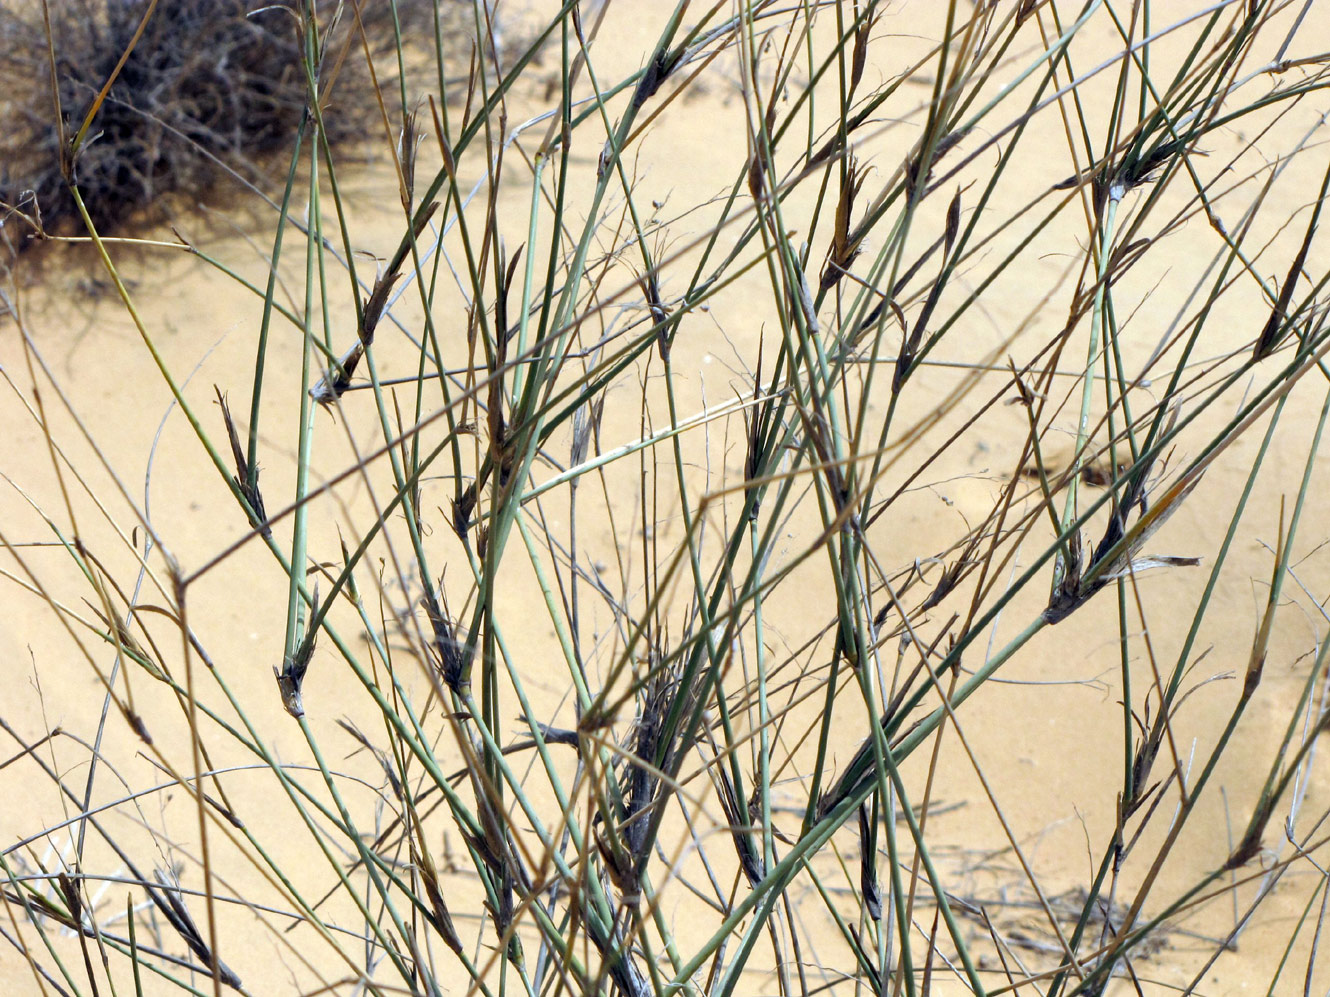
[210, 89]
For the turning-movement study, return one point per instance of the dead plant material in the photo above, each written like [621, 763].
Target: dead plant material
[212, 89]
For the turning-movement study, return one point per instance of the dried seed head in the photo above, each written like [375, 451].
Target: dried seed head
[246, 479]
[756, 171]
[463, 506]
[953, 224]
[662, 64]
[650, 285]
[868, 883]
[452, 658]
[292, 673]
[753, 424]
[137, 725]
[845, 244]
[860, 56]
[438, 914]
[334, 382]
[407, 146]
[741, 826]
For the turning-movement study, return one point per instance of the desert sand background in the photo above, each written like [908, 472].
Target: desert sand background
[1046, 734]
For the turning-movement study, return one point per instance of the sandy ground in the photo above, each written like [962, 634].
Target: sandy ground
[1047, 736]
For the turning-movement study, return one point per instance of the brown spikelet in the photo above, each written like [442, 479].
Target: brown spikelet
[445, 150]
[334, 382]
[408, 145]
[845, 245]
[168, 901]
[497, 425]
[859, 59]
[1276, 325]
[128, 643]
[915, 173]
[753, 423]
[658, 70]
[291, 676]
[650, 285]
[868, 882]
[452, 659]
[759, 165]
[423, 217]
[136, 724]
[1250, 845]
[740, 827]
[246, 479]
[756, 173]
[1108, 561]
[951, 577]
[953, 224]
[463, 506]
[619, 867]
[438, 915]
[384, 760]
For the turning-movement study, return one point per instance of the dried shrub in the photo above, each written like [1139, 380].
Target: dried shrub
[213, 88]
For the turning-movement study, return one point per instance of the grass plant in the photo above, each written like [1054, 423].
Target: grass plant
[882, 553]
